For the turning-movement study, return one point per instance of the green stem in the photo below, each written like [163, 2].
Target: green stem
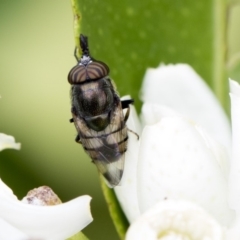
[76, 23]
[220, 86]
[117, 215]
[78, 236]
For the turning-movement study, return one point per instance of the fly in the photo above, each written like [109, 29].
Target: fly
[97, 113]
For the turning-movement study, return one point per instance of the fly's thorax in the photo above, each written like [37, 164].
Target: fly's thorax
[99, 122]
[93, 97]
[93, 101]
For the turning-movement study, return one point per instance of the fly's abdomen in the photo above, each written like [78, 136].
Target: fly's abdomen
[109, 144]
[106, 148]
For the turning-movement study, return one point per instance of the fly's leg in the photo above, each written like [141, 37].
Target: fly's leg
[127, 115]
[78, 140]
[131, 131]
[74, 113]
[126, 103]
[125, 119]
[75, 54]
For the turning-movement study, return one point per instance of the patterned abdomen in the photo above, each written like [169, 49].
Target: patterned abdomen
[107, 147]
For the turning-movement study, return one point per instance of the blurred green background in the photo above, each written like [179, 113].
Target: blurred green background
[36, 45]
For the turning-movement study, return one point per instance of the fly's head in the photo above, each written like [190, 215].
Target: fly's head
[87, 68]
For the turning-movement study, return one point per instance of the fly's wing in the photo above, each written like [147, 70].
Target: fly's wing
[112, 171]
[106, 148]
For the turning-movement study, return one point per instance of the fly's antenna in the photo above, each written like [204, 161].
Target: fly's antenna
[84, 45]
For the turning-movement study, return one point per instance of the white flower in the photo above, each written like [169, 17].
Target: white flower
[180, 88]
[41, 222]
[21, 221]
[184, 150]
[7, 141]
[234, 186]
[175, 220]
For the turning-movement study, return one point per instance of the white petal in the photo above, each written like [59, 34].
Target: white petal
[6, 191]
[182, 89]
[234, 178]
[176, 162]
[7, 141]
[153, 113]
[233, 233]
[175, 220]
[7, 231]
[234, 87]
[217, 150]
[45, 222]
[127, 191]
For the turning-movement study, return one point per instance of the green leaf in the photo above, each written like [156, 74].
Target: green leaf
[131, 36]
[233, 2]
[78, 236]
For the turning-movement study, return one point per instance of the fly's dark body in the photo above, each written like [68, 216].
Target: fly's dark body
[98, 116]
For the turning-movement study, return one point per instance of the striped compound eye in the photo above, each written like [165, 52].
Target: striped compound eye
[87, 70]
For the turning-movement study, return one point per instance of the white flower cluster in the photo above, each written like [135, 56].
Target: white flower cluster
[177, 177]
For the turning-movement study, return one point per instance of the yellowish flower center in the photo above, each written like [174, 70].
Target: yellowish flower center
[170, 235]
